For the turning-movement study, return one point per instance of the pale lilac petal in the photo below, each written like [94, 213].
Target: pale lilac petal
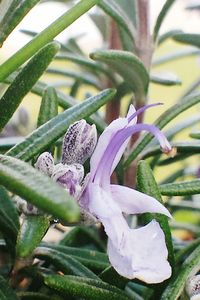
[144, 255]
[104, 208]
[104, 142]
[134, 202]
[132, 115]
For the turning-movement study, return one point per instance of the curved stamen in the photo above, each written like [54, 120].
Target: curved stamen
[142, 109]
[103, 172]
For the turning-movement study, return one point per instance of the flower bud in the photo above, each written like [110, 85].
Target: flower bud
[25, 207]
[193, 287]
[69, 176]
[79, 143]
[45, 163]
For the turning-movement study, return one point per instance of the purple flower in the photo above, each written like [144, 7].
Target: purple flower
[134, 253]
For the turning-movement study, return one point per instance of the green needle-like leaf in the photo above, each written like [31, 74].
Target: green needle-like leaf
[188, 38]
[83, 236]
[64, 263]
[92, 259]
[44, 37]
[165, 79]
[9, 220]
[48, 107]
[8, 142]
[14, 14]
[32, 230]
[65, 101]
[175, 55]
[89, 289]
[25, 181]
[161, 17]
[162, 121]
[181, 188]
[89, 65]
[195, 135]
[147, 184]
[83, 78]
[177, 282]
[129, 67]
[48, 133]
[181, 148]
[24, 81]
[6, 293]
[113, 9]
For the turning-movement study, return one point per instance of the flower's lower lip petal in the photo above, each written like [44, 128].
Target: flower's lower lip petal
[134, 202]
[104, 208]
[144, 255]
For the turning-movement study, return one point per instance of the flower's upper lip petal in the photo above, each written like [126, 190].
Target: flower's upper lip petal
[131, 112]
[134, 202]
[104, 141]
[143, 255]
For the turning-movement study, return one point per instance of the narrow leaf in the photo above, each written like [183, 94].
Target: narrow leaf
[181, 148]
[48, 107]
[36, 296]
[162, 121]
[165, 79]
[188, 38]
[83, 236]
[163, 37]
[175, 55]
[129, 67]
[65, 101]
[195, 135]
[166, 7]
[87, 64]
[113, 9]
[9, 220]
[181, 254]
[24, 81]
[14, 14]
[110, 276]
[44, 37]
[48, 133]
[64, 263]
[32, 230]
[181, 188]
[41, 191]
[147, 184]
[84, 78]
[6, 293]
[92, 259]
[8, 142]
[177, 282]
[185, 124]
[88, 289]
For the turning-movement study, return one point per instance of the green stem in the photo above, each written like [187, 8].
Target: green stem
[47, 35]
